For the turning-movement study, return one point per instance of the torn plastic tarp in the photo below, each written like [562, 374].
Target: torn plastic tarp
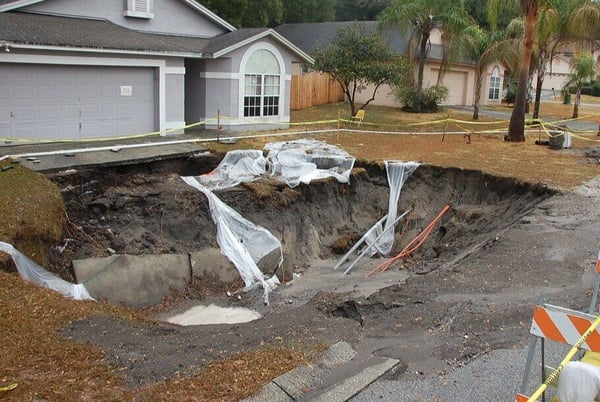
[304, 160]
[240, 240]
[293, 162]
[397, 172]
[34, 273]
[238, 166]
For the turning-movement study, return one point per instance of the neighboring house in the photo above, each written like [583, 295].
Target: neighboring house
[459, 79]
[72, 69]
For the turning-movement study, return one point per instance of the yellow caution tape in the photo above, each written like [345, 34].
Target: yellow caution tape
[531, 123]
[9, 388]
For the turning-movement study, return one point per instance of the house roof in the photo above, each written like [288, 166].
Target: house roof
[9, 5]
[21, 28]
[49, 30]
[310, 36]
[223, 44]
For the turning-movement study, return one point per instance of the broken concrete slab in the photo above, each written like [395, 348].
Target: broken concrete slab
[296, 382]
[346, 389]
[293, 384]
[212, 263]
[134, 281]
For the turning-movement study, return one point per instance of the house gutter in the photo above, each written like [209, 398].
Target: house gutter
[8, 46]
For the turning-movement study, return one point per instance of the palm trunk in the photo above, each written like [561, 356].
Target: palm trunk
[538, 93]
[422, 55]
[576, 103]
[516, 127]
[478, 85]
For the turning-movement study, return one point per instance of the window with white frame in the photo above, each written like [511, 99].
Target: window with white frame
[494, 92]
[262, 83]
[139, 9]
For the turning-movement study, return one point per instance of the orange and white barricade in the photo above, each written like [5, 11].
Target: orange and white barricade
[561, 325]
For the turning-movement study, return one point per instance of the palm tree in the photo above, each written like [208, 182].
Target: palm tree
[417, 19]
[560, 22]
[487, 47]
[583, 69]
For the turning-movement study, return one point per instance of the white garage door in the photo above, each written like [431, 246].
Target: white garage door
[456, 82]
[41, 102]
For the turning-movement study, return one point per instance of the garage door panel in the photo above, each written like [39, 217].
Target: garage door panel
[20, 91]
[47, 112]
[23, 113]
[54, 101]
[46, 92]
[67, 92]
[88, 91]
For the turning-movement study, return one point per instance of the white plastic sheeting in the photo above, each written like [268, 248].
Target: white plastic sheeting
[240, 240]
[34, 273]
[293, 162]
[579, 382]
[239, 166]
[304, 160]
[380, 237]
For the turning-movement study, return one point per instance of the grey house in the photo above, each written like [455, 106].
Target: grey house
[74, 69]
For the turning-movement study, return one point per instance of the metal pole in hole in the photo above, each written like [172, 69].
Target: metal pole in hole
[218, 125]
[338, 126]
[375, 241]
[358, 243]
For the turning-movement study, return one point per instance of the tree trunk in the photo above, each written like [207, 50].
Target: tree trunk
[422, 56]
[516, 127]
[538, 93]
[576, 103]
[478, 85]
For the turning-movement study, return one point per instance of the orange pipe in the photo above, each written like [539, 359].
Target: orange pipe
[412, 246]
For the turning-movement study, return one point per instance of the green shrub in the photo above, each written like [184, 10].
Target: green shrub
[511, 93]
[430, 100]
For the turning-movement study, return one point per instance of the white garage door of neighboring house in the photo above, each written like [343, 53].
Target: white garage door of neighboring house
[75, 102]
[456, 82]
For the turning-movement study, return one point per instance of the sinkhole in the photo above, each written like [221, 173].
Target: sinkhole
[148, 210]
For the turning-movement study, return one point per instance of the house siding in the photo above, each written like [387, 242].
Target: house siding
[170, 16]
[222, 81]
[195, 91]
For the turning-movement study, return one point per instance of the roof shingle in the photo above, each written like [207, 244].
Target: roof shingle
[48, 30]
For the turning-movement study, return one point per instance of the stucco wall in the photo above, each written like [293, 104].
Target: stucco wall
[224, 87]
[195, 91]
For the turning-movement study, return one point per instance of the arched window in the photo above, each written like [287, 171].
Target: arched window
[262, 79]
[495, 84]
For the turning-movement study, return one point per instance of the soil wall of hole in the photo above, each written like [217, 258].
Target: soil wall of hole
[148, 209]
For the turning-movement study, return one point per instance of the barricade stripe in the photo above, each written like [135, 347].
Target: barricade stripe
[598, 263]
[546, 325]
[593, 340]
[521, 398]
[569, 330]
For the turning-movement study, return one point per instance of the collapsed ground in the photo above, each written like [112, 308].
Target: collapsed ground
[149, 209]
[471, 288]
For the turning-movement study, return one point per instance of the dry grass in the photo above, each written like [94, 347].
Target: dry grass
[47, 366]
[32, 210]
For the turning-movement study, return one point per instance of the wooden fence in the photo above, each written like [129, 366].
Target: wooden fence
[314, 89]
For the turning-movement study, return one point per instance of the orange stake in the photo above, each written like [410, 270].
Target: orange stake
[412, 246]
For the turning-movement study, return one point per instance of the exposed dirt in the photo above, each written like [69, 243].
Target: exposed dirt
[470, 288]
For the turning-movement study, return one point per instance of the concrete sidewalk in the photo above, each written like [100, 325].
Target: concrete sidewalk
[53, 157]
